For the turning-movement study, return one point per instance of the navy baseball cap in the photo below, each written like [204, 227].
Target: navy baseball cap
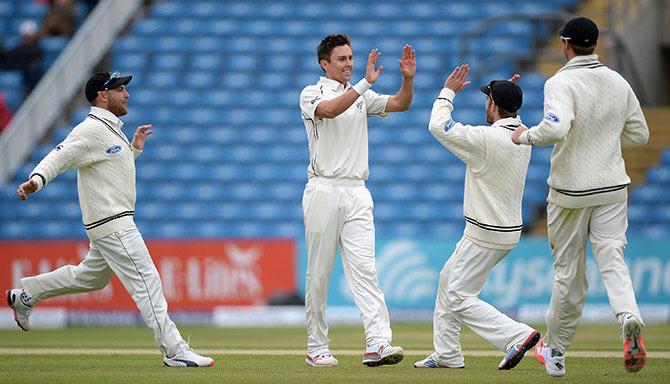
[505, 94]
[103, 81]
[580, 31]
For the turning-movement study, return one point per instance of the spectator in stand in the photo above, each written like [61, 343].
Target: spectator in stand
[26, 56]
[61, 19]
[5, 113]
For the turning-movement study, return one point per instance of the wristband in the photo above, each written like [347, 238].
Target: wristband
[362, 86]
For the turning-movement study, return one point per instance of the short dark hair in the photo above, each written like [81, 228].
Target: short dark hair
[505, 114]
[329, 43]
[583, 51]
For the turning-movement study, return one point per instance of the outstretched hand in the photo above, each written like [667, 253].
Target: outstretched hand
[141, 135]
[26, 189]
[517, 133]
[408, 62]
[458, 78]
[371, 75]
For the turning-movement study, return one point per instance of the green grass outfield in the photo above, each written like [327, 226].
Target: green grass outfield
[275, 355]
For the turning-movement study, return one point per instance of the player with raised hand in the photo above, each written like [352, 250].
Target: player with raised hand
[495, 175]
[336, 204]
[105, 163]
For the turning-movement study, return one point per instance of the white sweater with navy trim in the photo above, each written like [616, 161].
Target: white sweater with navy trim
[105, 163]
[495, 173]
[591, 112]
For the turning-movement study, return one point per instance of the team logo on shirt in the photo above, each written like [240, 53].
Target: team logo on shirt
[359, 106]
[552, 117]
[59, 147]
[114, 149]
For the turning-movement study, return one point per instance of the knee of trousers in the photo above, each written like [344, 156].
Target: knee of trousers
[609, 251]
[455, 300]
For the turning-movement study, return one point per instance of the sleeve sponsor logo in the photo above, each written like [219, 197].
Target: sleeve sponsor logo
[114, 149]
[552, 117]
[449, 124]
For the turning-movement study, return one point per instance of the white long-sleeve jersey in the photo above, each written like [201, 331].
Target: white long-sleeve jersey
[590, 113]
[105, 163]
[495, 173]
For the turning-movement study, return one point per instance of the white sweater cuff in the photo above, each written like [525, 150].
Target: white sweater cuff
[39, 181]
[447, 93]
[524, 138]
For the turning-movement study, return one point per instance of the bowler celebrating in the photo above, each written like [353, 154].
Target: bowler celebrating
[337, 206]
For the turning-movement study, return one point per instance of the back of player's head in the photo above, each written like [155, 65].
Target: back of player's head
[329, 43]
[582, 34]
[505, 94]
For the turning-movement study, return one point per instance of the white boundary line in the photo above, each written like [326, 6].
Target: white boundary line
[285, 352]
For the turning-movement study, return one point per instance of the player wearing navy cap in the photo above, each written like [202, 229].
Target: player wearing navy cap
[591, 112]
[105, 163]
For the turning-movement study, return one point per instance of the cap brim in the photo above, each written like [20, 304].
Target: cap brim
[119, 81]
[485, 89]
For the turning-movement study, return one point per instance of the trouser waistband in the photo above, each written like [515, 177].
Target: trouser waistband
[337, 182]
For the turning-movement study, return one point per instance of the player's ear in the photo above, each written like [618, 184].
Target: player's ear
[323, 63]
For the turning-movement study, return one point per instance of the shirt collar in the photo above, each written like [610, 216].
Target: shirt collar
[107, 116]
[581, 60]
[509, 123]
[334, 84]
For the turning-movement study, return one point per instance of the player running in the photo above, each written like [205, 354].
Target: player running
[105, 163]
[494, 180]
[590, 113]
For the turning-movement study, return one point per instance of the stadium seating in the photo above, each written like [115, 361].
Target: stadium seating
[12, 14]
[649, 211]
[221, 83]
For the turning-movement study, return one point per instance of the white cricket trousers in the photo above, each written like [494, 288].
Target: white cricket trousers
[339, 213]
[124, 254]
[605, 226]
[461, 280]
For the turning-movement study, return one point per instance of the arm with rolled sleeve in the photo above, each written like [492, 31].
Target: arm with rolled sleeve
[558, 116]
[635, 130]
[73, 152]
[465, 141]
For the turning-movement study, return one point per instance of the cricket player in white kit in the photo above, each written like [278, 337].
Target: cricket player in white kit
[337, 206]
[590, 113]
[494, 179]
[105, 163]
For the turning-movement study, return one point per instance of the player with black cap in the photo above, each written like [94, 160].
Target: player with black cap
[105, 163]
[494, 179]
[591, 112]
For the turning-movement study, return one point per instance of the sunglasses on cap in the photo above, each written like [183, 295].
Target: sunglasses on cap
[113, 76]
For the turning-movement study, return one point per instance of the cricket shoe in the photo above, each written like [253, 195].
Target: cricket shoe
[516, 352]
[552, 359]
[382, 354]
[188, 358]
[431, 362]
[634, 354]
[321, 359]
[17, 300]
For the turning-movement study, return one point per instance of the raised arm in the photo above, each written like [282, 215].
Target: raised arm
[403, 99]
[140, 138]
[334, 107]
